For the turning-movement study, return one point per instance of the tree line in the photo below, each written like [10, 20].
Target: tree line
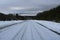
[4, 17]
[50, 15]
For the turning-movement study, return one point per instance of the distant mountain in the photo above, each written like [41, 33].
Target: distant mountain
[51, 15]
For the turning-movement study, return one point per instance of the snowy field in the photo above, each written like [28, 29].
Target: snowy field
[29, 30]
[5, 23]
[52, 25]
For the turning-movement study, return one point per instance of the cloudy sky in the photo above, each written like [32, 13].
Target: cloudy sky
[27, 6]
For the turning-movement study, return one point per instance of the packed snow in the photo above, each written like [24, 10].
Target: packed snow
[52, 25]
[29, 30]
[4, 23]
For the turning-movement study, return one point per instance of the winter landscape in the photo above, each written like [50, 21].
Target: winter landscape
[29, 30]
[29, 19]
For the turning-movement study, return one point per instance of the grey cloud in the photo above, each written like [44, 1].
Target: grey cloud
[32, 5]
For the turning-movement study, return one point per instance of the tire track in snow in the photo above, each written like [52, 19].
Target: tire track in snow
[32, 32]
[38, 32]
[49, 34]
[41, 31]
[22, 30]
[7, 27]
[17, 34]
[28, 32]
[35, 33]
[49, 29]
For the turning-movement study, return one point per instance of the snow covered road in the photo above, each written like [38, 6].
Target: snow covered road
[31, 30]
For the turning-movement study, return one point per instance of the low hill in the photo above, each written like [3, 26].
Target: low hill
[51, 15]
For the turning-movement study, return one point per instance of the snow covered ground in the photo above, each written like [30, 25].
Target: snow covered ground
[52, 25]
[29, 30]
[7, 23]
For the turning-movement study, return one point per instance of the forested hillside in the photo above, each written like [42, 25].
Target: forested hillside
[51, 15]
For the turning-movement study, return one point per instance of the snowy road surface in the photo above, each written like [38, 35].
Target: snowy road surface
[30, 30]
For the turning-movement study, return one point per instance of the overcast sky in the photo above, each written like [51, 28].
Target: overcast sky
[27, 6]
